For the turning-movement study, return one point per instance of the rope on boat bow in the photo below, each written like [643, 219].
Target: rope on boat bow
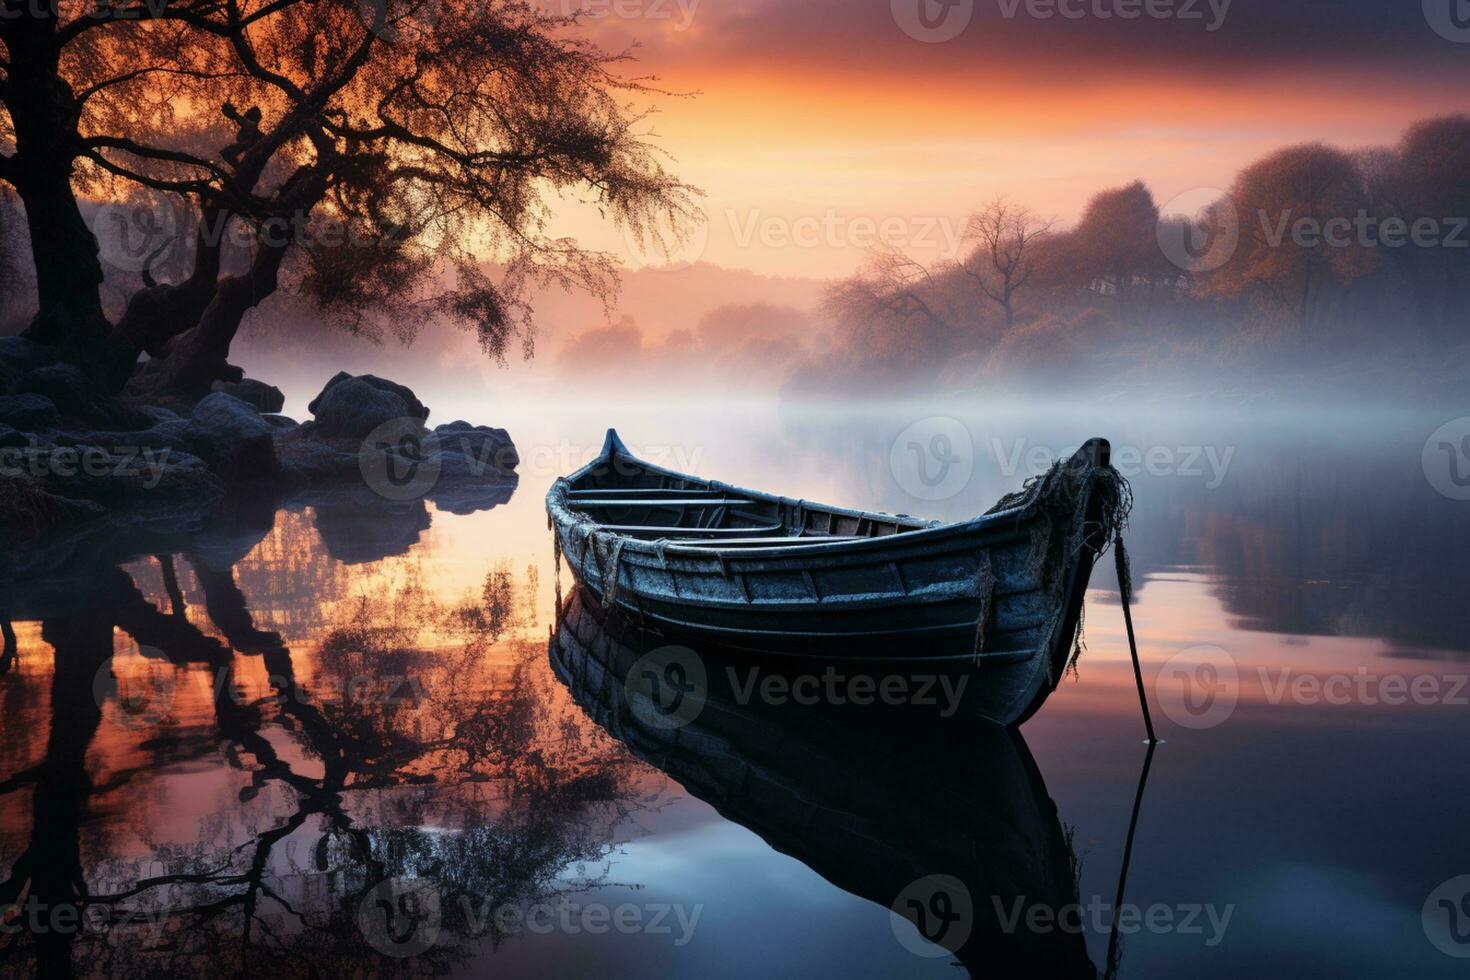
[1074, 506]
[1063, 496]
[985, 588]
[555, 564]
[609, 558]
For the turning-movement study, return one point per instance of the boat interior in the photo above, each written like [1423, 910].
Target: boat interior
[642, 501]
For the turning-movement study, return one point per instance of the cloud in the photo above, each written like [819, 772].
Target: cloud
[1064, 37]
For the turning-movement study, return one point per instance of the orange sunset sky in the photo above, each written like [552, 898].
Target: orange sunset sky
[815, 126]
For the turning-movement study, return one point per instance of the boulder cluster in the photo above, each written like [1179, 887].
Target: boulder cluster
[68, 453]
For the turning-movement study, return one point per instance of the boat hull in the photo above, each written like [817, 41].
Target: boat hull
[987, 595]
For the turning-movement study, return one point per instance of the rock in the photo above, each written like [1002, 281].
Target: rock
[10, 438]
[158, 413]
[280, 421]
[64, 384]
[306, 459]
[96, 474]
[475, 450]
[413, 408]
[172, 434]
[29, 412]
[26, 355]
[27, 511]
[232, 437]
[354, 408]
[265, 398]
[77, 397]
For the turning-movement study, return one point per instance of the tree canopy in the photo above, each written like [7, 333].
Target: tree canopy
[1311, 248]
[396, 159]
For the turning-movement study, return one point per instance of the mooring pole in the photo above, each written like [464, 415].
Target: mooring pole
[1125, 588]
[1111, 971]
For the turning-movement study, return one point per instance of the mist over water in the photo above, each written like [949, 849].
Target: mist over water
[1275, 543]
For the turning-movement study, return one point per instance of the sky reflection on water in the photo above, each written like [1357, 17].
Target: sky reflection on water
[1320, 553]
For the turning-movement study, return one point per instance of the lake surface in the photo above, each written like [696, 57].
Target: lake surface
[226, 739]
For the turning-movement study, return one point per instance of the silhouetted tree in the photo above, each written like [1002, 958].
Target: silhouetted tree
[897, 316]
[1296, 212]
[1115, 244]
[1004, 258]
[386, 149]
[10, 257]
[1426, 182]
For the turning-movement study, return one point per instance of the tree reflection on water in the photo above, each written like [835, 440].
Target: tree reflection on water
[392, 735]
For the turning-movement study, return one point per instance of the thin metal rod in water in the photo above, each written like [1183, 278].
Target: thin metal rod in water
[1125, 587]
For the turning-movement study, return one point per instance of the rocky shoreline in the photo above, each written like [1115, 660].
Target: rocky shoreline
[72, 460]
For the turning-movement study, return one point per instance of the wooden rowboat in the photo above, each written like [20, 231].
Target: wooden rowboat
[999, 595]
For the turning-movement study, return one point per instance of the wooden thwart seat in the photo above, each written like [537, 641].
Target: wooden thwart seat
[766, 542]
[584, 504]
[689, 533]
[644, 492]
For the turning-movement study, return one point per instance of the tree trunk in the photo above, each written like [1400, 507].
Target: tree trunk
[157, 314]
[68, 274]
[44, 110]
[199, 356]
[1308, 282]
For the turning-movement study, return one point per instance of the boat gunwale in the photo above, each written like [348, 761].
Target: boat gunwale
[926, 531]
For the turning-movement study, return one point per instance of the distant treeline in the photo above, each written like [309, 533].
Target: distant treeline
[1316, 263]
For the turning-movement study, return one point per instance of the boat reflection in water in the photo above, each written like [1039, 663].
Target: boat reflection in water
[944, 820]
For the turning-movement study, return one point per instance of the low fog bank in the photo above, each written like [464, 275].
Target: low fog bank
[707, 332]
[897, 332]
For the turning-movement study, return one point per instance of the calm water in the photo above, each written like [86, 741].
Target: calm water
[313, 701]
